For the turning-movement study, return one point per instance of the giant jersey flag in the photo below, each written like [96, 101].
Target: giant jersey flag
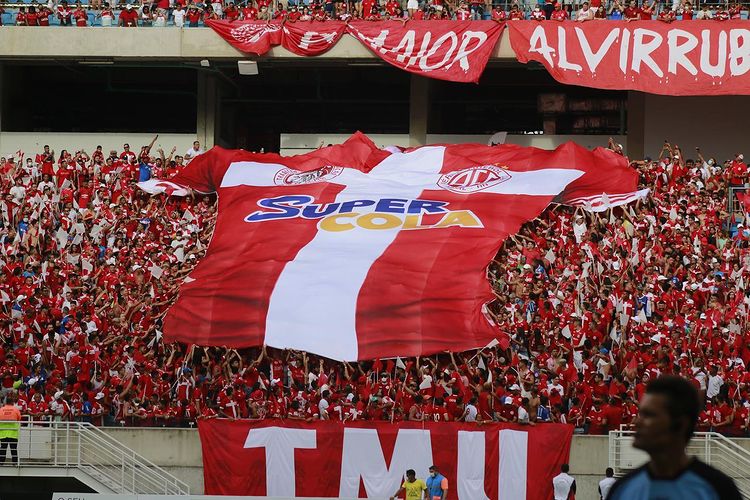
[353, 252]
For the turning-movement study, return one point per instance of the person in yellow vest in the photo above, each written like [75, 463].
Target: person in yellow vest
[10, 418]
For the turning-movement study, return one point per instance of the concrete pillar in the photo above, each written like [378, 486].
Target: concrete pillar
[636, 145]
[2, 96]
[207, 101]
[419, 107]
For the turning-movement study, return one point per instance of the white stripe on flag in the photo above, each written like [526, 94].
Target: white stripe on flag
[545, 182]
[313, 306]
[470, 471]
[511, 483]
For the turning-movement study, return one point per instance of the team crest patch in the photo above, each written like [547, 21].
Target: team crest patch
[471, 180]
[291, 177]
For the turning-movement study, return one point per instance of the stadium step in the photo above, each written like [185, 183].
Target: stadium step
[81, 450]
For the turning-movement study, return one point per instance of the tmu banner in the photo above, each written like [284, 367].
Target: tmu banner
[685, 58]
[353, 252]
[368, 459]
[258, 37]
[450, 50]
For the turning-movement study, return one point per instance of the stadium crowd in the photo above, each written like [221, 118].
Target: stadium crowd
[589, 307]
[188, 13]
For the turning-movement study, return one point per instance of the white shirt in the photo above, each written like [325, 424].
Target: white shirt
[605, 485]
[18, 193]
[323, 407]
[714, 385]
[179, 18]
[700, 376]
[561, 484]
[471, 413]
[192, 153]
[523, 415]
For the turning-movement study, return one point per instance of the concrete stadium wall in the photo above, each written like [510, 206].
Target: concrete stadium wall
[23, 42]
[716, 124]
[33, 142]
[300, 143]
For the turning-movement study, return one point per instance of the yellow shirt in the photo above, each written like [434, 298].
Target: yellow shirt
[414, 490]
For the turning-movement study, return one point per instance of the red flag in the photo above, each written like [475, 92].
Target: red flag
[328, 235]
[632, 364]
[377, 365]
[744, 199]
[503, 341]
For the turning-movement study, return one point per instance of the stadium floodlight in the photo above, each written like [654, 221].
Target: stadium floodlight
[247, 67]
[205, 63]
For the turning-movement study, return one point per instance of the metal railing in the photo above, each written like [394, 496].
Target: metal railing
[82, 446]
[710, 447]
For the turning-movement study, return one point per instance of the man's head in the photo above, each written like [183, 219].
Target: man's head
[433, 470]
[667, 414]
[609, 472]
[411, 476]
[564, 468]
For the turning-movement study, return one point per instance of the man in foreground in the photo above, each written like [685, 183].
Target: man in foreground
[664, 425]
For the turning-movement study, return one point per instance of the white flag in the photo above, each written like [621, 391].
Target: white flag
[550, 256]
[400, 363]
[62, 237]
[426, 382]
[188, 216]
[86, 265]
[566, 331]
[481, 364]
[492, 344]
[156, 271]
[180, 254]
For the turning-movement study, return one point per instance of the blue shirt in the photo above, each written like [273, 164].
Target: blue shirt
[434, 487]
[144, 172]
[697, 482]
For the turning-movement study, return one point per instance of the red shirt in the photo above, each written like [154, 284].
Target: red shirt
[81, 17]
[128, 18]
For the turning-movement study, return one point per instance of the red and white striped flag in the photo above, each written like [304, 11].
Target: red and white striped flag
[352, 252]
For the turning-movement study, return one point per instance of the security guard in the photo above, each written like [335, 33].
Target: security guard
[10, 418]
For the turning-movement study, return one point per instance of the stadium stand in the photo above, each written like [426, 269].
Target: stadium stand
[194, 14]
[594, 306]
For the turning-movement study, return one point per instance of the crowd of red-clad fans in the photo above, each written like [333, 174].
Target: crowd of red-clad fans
[592, 306]
[182, 13]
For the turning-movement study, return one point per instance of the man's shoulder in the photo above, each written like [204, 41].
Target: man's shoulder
[720, 482]
[625, 481]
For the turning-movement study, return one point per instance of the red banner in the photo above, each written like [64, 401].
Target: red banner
[312, 38]
[456, 51]
[368, 459]
[684, 58]
[253, 37]
[257, 37]
[448, 50]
